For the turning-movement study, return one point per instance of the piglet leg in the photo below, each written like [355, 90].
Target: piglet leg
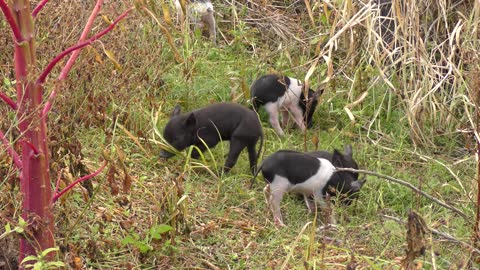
[236, 146]
[310, 204]
[297, 116]
[272, 109]
[209, 20]
[274, 195]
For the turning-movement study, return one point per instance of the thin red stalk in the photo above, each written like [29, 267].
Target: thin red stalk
[66, 69]
[11, 21]
[8, 100]
[57, 185]
[52, 63]
[39, 7]
[11, 152]
[58, 195]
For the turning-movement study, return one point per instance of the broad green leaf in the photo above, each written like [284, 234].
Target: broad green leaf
[48, 250]
[156, 231]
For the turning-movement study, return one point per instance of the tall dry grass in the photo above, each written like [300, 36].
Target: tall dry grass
[424, 52]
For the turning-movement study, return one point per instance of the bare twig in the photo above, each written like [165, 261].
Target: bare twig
[410, 186]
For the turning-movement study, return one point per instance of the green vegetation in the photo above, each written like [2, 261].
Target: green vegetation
[148, 213]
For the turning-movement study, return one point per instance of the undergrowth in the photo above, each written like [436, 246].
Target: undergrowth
[185, 214]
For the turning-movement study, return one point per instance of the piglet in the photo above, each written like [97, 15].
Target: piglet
[201, 14]
[211, 124]
[345, 184]
[280, 93]
[297, 172]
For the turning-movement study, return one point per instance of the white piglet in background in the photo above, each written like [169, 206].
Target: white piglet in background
[200, 14]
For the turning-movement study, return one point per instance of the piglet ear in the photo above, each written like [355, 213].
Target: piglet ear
[337, 158]
[348, 150]
[176, 110]
[318, 93]
[191, 121]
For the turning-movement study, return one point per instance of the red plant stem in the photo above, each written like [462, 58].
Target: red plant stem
[11, 21]
[66, 69]
[35, 150]
[58, 182]
[50, 66]
[11, 152]
[68, 66]
[52, 63]
[35, 183]
[39, 7]
[86, 177]
[9, 101]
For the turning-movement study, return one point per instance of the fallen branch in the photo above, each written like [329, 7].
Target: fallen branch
[410, 186]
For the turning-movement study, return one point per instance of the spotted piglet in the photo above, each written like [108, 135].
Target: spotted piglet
[286, 95]
[290, 171]
[200, 14]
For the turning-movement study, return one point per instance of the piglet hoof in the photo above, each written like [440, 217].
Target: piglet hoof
[279, 223]
[226, 169]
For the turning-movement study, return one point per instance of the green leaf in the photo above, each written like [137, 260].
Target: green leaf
[48, 250]
[8, 228]
[128, 240]
[158, 230]
[19, 230]
[29, 258]
[22, 222]
[54, 265]
[144, 248]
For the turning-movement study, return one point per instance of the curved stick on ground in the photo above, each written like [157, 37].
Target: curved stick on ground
[410, 186]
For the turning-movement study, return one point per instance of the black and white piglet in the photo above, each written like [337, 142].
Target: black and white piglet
[307, 175]
[280, 93]
[200, 14]
[291, 171]
[343, 183]
[220, 121]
